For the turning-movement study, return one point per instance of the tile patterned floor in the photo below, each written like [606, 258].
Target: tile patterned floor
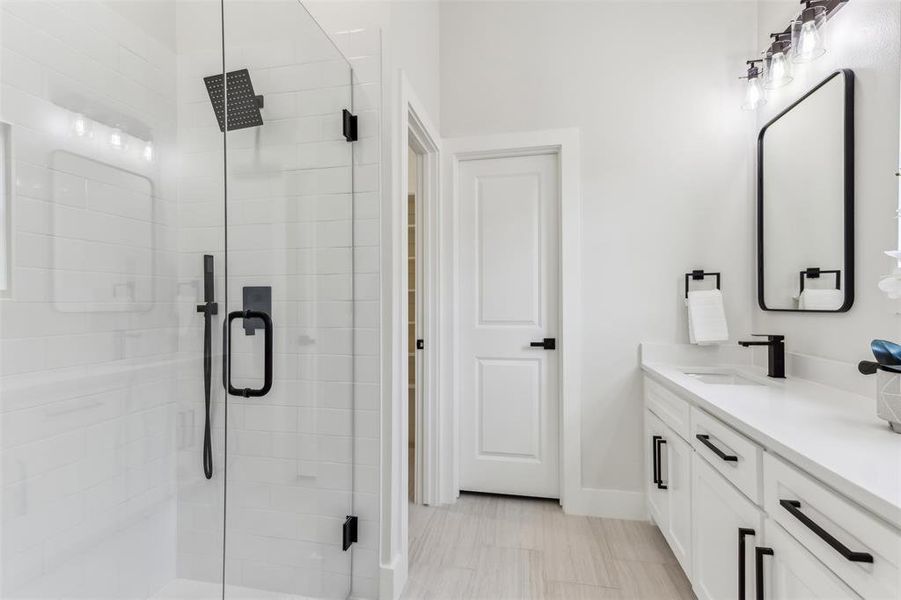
[505, 548]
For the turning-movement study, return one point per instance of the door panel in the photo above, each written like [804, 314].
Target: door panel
[677, 474]
[508, 299]
[290, 250]
[508, 213]
[510, 387]
[719, 511]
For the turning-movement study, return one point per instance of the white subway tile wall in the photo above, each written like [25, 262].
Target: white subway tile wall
[89, 326]
[101, 412]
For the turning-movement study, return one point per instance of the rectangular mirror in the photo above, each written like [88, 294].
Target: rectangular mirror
[805, 202]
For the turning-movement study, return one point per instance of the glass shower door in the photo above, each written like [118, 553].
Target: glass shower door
[289, 305]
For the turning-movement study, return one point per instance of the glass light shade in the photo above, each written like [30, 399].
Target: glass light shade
[754, 94]
[807, 35]
[81, 126]
[117, 139]
[778, 71]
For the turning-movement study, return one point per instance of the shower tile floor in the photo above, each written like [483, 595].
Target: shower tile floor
[488, 547]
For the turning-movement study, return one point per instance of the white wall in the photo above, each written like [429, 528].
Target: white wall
[665, 169]
[864, 36]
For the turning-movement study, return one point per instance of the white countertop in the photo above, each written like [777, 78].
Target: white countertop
[832, 434]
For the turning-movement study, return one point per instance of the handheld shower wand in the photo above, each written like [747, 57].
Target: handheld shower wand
[208, 308]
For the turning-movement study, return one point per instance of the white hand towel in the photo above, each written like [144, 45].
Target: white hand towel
[706, 317]
[816, 299]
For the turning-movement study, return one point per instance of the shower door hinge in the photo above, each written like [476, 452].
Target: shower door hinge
[350, 531]
[350, 126]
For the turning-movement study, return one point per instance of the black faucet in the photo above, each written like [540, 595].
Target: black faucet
[776, 345]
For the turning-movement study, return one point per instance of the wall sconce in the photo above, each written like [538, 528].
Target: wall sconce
[807, 37]
[801, 42]
[777, 66]
[754, 93]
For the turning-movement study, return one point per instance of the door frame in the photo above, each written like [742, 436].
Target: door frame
[565, 144]
[409, 124]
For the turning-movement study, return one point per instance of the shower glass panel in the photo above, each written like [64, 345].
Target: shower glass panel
[289, 483]
[111, 206]
[148, 197]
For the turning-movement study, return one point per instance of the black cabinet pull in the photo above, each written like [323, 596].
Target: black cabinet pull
[654, 460]
[546, 343]
[759, 553]
[705, 439]
[267, 357]
[660, 442]
[794, 507]
[743, 532]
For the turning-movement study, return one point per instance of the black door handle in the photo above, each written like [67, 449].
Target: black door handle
[759, 553]
[743, 532]
[705, 439]
[546, 343]
[655, 461]
[794, 507]
[658, 443]
[227, 355]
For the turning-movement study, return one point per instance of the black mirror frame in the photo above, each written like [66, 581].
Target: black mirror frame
[848, 267]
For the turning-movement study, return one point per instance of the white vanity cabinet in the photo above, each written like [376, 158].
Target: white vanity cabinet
[726, 527]
[668, 468]
[745, 524]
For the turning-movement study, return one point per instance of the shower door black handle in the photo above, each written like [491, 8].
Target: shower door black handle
[267, 357]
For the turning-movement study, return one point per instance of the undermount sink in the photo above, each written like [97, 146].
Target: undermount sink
[721, 378]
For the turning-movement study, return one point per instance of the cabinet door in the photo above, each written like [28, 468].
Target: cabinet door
[657, 502]
[723, 523]
[793, 573]
[676, 475]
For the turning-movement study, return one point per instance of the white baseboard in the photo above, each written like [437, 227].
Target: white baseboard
[392, 578]
[609, 504]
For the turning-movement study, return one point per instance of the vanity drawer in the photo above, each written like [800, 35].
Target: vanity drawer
[736, 457]
[672, 410]
[842, 535]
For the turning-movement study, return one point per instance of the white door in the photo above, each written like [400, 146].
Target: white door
[723, 521]
[508, 289]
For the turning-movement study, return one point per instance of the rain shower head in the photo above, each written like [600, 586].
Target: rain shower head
[243, 105]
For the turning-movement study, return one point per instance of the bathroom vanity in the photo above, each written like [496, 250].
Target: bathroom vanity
[771, 489]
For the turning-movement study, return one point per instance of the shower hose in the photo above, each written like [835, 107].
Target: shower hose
[207, 383]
